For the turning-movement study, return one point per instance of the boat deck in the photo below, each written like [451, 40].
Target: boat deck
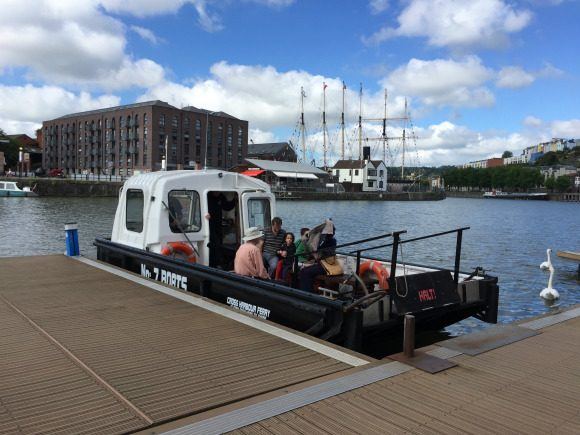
[88, 348]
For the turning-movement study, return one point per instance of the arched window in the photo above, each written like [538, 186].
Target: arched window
[162, 121]
[174, 122]
[186, 122]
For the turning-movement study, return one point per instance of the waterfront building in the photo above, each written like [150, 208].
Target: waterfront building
[516, 160]
[137, 137]
[559, 171]
[361, 175]
[279, 151]
[2, 163]
[282, 176]
[477, 164]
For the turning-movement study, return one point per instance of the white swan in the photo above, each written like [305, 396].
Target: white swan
[549, 293]
[546, 264]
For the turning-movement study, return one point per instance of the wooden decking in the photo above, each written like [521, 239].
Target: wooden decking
[83, 350]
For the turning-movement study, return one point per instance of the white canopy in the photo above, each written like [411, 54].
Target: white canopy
[295, 175]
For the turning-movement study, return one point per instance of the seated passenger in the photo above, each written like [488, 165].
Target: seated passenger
[326, 248]
[302, 248]
[249, 261]
[287, 252]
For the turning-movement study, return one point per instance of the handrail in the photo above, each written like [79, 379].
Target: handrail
[397, 241]
[413, 240]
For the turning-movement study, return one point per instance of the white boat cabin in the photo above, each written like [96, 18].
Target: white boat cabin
[158, 208]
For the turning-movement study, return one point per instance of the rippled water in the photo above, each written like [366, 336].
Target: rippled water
[507, 237]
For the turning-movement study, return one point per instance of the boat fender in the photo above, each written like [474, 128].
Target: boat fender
[181, 248]
[379, 270]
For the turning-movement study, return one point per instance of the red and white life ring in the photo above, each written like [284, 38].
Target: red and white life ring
[181, 249]
[378, 269]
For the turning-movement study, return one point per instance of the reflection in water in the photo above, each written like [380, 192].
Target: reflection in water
[508, 238]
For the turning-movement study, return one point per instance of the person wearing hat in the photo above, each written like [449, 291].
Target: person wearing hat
[249, 261]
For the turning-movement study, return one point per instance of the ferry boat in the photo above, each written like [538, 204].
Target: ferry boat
[369, 299]
[498, 194]
[10, 188]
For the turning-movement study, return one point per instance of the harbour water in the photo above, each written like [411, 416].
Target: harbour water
[508, 238]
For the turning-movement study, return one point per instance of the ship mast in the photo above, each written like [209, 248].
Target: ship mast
[403, 156]
[324, 130]
[360, 124]
[342, 124]
[385, 131]
[302, 126]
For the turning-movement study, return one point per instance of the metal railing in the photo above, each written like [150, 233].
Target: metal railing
[397, 242]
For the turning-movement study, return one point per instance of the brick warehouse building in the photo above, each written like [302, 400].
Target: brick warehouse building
[124, 139]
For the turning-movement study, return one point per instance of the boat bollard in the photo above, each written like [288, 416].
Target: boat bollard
[72, 239]
[409, 336]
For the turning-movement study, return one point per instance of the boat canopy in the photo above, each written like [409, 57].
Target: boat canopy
[159, 208]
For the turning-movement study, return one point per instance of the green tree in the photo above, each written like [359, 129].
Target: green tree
[507, 154]
[562, 183]
[550, 183]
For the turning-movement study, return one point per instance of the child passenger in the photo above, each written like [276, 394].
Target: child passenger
[287, 252]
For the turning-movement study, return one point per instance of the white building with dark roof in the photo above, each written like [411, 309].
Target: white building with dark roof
[361, 175]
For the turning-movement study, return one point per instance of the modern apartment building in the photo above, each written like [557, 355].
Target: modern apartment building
[136, 138]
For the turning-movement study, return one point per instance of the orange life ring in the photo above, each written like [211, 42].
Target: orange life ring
[181, 248]
[379, 270]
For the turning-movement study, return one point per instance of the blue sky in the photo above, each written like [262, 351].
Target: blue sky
[480, 76]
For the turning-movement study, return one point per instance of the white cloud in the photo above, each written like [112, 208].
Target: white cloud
[146, 34]
[457, 23]
[71, 43]
[514, 77]
[532, 121]
[566, 129]
[23, 108]
[266, 97]
[378, 6]
[442, 82]
[273, 3]
[451, 144]
[260, 136]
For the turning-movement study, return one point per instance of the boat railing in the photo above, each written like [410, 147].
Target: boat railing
[397, 242]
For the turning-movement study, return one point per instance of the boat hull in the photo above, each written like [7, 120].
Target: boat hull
[16, 193]
[328, 319]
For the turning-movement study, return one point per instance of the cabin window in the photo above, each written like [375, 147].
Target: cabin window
[184, 211]
[134, 214]
[1, 185]
[259, 213]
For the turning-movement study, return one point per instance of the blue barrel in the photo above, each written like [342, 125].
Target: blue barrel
[72, 239]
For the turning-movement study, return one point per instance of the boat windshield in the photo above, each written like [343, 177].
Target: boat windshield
[184, 211]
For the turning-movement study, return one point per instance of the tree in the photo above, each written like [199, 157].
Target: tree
[562, 183]
[507, 154]
[550, 183]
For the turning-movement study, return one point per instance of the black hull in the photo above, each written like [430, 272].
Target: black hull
[305, 312]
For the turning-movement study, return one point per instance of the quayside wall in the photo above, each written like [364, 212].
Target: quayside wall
[64, 187]
[67, 187]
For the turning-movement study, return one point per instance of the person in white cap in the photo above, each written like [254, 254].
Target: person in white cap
[249, 261]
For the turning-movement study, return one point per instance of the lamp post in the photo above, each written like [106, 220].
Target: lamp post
[20, 161]
[207, 113]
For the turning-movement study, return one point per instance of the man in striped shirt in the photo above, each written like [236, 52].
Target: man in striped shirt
[273, 239]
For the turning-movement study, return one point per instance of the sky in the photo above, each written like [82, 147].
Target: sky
[479, 76]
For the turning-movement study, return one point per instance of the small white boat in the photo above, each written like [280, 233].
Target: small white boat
[161, 214]
[10, 188]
